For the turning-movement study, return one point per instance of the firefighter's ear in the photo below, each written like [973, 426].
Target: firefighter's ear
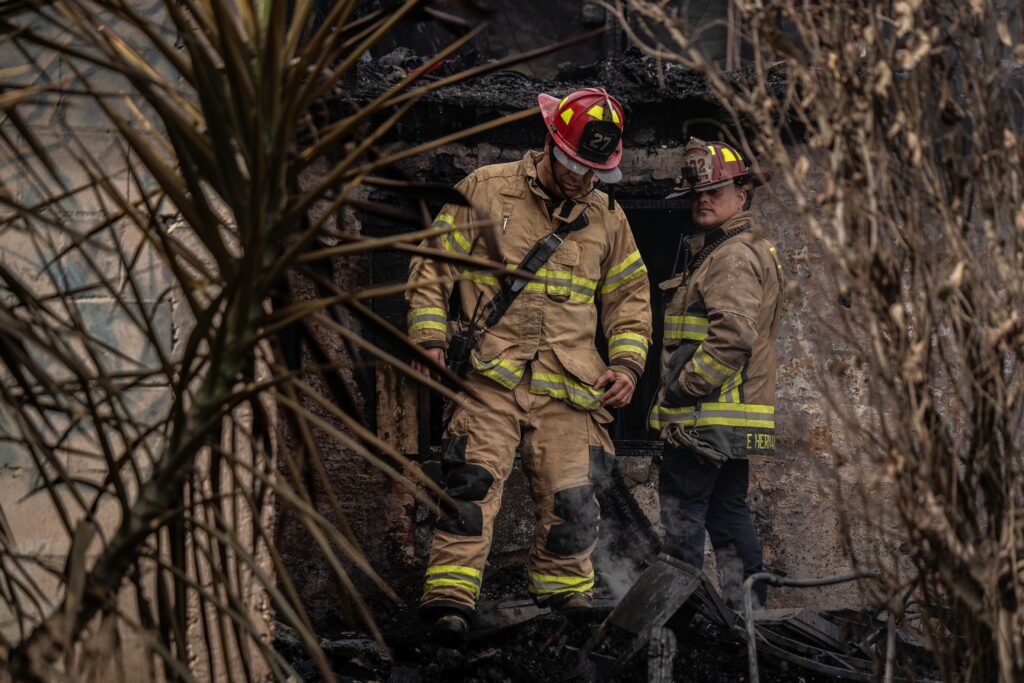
[745, 195]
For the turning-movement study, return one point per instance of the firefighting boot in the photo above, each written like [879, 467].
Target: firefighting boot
[569, 603]
[449, 630]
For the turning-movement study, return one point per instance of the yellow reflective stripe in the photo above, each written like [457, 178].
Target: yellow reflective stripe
[456, 243]
[461, 239]
[631, 267]
[712, 148]
[427, 319]
[565, 282]
[506, 373]
[453, 241]
[428, 325]
[566, 580]
[556, 282]
[727, 154]
[426, 310]
[474, 590]
[543, 584]
[731, 389]
[560, 282]
[622, 265]
[709, 368]
[455, 569]
[567, 115]
[444, 219]
[560, 386]
[627, 342]
[659, 420]
[691, 327]
[481, 278]
[715, 414]
[467, 578]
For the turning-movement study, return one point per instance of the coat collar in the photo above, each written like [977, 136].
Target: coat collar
[698, 241]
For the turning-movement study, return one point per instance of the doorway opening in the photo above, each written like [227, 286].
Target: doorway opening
[658, 228]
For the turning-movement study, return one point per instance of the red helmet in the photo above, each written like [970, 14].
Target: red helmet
[707, 165]
[586, 126]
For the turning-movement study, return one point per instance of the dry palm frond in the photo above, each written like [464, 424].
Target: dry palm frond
[159, 456]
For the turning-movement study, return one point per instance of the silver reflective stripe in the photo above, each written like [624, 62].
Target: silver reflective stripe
[690, 331]
[496, 367]
[428, 317]
[709, 368]
[629, 342]
[583, 289]
[752, 416]
[629, 270]
[579, 395]
[453, 243]
[730, 390]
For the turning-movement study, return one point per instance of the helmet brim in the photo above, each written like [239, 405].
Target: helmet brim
[753, 179]
[548, 107]
[605, 175]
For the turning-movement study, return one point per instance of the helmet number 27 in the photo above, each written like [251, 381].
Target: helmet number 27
[601, 142]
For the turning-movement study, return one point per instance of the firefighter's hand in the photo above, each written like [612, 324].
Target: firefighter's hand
[619, 391]
[437, 356]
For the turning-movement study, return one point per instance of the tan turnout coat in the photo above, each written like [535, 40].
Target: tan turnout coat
[719, 357]
[551, 326]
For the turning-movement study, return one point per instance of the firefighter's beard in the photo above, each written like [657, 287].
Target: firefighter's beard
[567, 184]
[713, 208]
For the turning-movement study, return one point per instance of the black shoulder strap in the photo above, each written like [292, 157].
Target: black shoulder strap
[536, 257]
[705, 252]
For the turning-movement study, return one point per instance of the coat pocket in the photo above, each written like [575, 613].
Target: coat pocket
[496, 359]
[584, 364]
[578, 372]
[674, 395]
[559, 270]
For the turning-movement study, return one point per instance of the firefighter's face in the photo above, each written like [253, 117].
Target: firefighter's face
[712, 208]
[570, 183]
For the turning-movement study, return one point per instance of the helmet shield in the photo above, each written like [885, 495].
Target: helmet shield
[611, 176]
[598, 140]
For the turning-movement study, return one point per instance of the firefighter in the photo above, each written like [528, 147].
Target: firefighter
[536, 381]
[715, 407]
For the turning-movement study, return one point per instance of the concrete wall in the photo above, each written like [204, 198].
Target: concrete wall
[71, 129]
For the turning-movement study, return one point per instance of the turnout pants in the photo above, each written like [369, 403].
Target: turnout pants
[696, 495]
[564, 452]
